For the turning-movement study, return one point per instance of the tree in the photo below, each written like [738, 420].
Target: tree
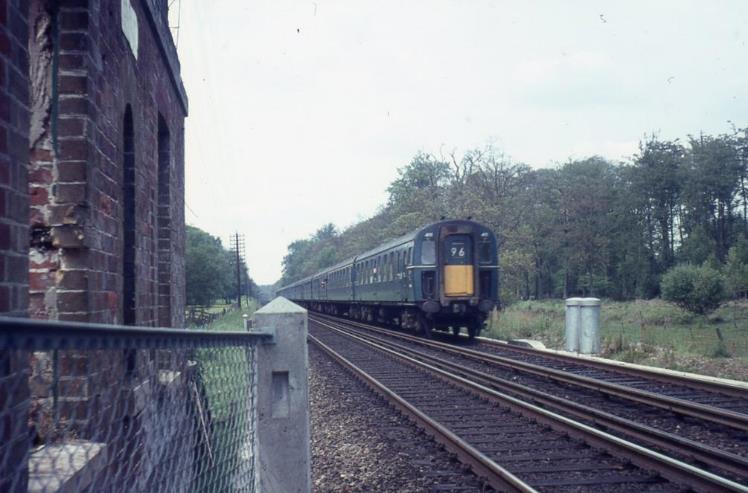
[698, 289]
[713, 176]
[207, 267]
[656, 181]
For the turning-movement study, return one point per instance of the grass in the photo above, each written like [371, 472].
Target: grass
[223, 373]
[644, 331]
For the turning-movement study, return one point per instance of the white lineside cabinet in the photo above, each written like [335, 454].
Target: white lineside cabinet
[583, 325]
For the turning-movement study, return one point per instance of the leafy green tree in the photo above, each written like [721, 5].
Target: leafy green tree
[698, 289]
[588, 191]
[712, 178]
[656, 181]
[207, 267]
[697, 247]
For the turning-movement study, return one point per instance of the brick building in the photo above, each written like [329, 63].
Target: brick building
[106, 171]
[14, 153]
[92, 111]
[14, 243]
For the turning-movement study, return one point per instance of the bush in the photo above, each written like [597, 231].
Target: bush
[736, 270]
[697, 289]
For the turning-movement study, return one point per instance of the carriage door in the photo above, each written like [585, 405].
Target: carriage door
[458, 265]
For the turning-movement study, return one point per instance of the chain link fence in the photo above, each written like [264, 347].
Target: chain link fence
[107, 408]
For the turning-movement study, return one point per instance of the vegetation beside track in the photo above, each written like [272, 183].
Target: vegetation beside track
[649, 332]
[223, 373]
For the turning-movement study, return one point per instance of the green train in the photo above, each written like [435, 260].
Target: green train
[443, 276]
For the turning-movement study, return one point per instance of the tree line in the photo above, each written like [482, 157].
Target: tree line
[584, 227]
[211, 270]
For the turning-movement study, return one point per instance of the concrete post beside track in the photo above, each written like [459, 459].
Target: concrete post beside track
[283, 448]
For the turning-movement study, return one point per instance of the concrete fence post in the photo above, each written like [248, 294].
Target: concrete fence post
[283, 448]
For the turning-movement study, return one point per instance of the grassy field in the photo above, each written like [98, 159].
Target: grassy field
[223, 373]
[650, 332]
[233, 319]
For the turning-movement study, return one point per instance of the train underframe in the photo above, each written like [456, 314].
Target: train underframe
[409, 317]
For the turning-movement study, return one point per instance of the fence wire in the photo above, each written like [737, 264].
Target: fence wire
[96, 408]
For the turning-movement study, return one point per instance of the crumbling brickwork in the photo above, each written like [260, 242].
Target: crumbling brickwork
[107, 164]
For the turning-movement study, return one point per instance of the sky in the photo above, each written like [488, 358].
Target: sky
[302, 112]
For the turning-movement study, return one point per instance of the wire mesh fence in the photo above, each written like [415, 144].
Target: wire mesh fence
[105, 408]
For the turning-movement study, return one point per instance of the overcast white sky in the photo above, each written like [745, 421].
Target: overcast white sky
[301, 112]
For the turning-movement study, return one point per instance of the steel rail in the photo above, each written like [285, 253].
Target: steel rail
[693, 409]
[696, 451]
[495, 475]
[672, 469]
[725, 388]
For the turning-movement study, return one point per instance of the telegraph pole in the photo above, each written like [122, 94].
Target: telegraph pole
[237, 246]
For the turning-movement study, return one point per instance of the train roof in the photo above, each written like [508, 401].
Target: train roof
[381, 248]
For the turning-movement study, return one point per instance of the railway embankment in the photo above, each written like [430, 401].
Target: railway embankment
[646, 332]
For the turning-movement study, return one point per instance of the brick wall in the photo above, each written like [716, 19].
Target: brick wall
[107, 191]
[14, 131]
[14, 123]
[84, 258]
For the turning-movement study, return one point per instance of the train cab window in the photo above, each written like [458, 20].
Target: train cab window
[428, 251]
[409, 257]
[484, 249]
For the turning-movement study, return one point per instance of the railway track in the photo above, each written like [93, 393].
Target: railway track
[719, 393]
[711, 436]
[520, 442]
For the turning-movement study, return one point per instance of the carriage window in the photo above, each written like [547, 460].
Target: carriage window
[428, 251]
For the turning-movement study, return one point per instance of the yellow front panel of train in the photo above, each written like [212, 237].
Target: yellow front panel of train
[458, 280]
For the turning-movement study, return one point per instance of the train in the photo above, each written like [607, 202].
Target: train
[443, 276]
